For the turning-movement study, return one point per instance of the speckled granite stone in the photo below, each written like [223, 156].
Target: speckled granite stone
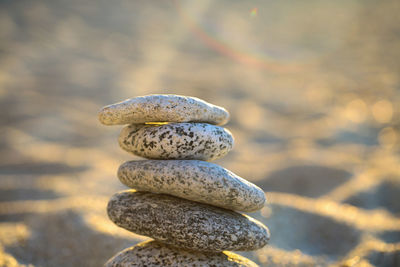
[194, 180]
[153, 253]
[163, 108]
[176, 141]
[185, 223]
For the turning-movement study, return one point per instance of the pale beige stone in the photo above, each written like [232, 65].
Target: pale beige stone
[194, 180]
[153, 253]
[200, 141]
[163, 108]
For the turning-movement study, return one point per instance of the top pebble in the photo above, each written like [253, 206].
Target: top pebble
[163, 108]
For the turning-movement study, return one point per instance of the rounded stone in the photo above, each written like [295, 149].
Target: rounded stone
[163, 108]
[184, 223]
[194, 180]
[200, 141]
[153, 253]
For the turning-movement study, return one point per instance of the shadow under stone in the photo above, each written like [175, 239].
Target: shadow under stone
[40, 168]
[305, 180]
[386, 195]
[312, 234]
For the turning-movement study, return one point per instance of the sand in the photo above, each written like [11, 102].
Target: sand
[312, 89]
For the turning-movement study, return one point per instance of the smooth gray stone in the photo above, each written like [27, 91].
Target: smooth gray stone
[184, 223]
[176, 141]
[194, 180]
[153, 253]
[163, 108]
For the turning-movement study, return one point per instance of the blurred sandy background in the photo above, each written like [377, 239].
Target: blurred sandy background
[313, 91]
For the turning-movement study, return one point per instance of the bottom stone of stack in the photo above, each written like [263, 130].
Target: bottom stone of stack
[184, 223]
[153, 253]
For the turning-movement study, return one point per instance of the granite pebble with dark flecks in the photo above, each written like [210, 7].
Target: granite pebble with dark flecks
[194, 180]
[186, 224]
[200, 141]
[163, 108]
[153, 253]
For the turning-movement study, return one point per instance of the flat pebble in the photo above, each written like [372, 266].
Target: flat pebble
[184, 223]
[176, 141]
[163, 108]
[153, 253]
[194, 180]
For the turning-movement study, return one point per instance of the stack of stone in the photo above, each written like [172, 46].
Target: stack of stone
[185, 203]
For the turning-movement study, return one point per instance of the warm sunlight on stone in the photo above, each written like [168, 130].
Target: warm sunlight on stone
[156, 123]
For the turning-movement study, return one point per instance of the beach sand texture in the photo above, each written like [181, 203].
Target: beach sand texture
[312, 89]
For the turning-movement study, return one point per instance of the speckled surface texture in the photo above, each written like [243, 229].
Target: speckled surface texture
[194, 180]
[176, 141]
[153, 253]
[163, 108]
[185, 223]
